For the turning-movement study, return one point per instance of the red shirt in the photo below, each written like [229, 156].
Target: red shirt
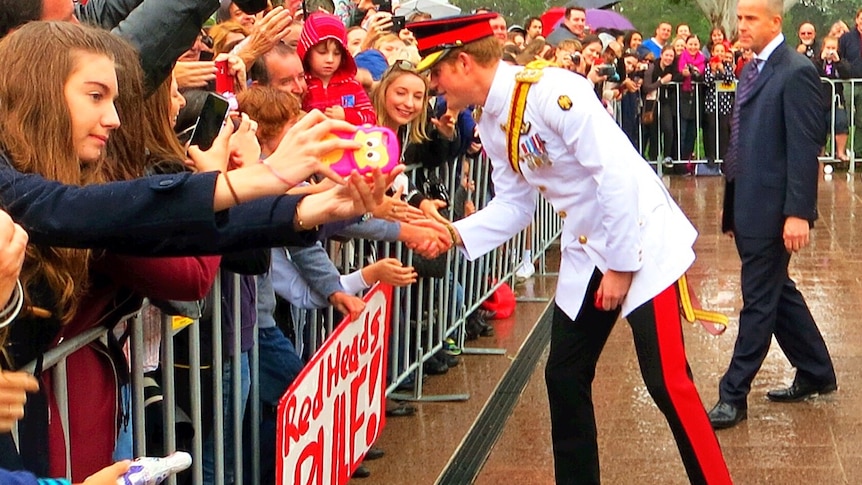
[343, 90]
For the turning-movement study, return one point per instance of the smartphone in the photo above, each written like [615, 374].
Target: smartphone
[383, 5]
[398, 23]
[380, 149]
[223, 80]
[210, 121]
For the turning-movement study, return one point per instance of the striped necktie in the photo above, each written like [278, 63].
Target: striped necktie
[743, 92]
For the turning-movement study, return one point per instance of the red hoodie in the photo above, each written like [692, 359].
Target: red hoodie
[343, 88]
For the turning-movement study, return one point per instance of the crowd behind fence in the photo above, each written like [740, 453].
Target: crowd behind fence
[425, 314]
[840, 112]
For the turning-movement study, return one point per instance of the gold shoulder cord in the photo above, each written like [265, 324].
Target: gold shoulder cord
[713, 322]
[531, 74]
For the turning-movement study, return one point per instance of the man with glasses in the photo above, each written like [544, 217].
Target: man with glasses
[808, 45]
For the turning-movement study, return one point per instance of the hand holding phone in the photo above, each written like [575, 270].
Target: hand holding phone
[212, 117]
[379, 150]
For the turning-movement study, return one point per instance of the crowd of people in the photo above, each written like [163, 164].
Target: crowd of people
[671, 86]
[97, 173]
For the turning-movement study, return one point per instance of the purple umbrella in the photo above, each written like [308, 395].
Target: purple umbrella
[607, 19]
[592, 3]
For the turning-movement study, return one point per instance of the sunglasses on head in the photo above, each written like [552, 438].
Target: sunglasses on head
[401, 65]
[404, 65]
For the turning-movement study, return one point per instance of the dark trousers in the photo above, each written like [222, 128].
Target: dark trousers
[575, 349]
[772, 305]
[716, 134]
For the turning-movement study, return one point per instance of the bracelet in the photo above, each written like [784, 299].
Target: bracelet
[230, 187]
[278, 175]
[452, 233]
[13, 308]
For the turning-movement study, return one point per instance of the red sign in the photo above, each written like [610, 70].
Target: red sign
[335, 409]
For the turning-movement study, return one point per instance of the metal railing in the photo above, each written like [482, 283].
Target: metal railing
[673, 150]
[424, 315]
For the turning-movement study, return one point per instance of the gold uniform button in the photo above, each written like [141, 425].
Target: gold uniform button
[582, 239]
[562, 214]
[542, 188]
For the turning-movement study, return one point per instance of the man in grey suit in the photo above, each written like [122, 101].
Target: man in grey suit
[770, 205]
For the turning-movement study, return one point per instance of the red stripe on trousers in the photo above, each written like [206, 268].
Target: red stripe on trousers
[681, 390]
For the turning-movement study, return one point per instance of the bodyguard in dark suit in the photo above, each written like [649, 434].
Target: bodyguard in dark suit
[770, 205]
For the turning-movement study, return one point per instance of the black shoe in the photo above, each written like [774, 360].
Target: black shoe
[450, 360]
[479, 326]
[800, 392]
[487, 329]
[725, 415]
[374, 453]
[434, 366]
[361, 472]
[398, 409]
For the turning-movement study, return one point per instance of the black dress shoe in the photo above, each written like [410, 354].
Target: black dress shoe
[396, 409]
[800, 392]
[725, 415]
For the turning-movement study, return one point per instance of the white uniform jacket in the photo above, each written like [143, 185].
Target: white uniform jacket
[618, 213]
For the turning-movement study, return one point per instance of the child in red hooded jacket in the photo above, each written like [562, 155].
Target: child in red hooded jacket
[330, 71]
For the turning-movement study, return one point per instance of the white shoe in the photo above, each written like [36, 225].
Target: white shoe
[525, 270]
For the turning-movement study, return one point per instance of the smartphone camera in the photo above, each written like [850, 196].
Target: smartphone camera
[608, 70]
[383, 5]
[398, 23]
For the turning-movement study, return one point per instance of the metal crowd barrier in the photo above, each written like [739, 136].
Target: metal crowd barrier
[423, 316]
[852, 105]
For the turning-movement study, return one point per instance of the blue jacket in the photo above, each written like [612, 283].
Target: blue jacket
[154, 216]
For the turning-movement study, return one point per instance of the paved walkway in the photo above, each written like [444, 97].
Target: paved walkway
[818, 441]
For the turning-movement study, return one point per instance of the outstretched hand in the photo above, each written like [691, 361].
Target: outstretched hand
[426, 237]
[108, 475]
[390, 271]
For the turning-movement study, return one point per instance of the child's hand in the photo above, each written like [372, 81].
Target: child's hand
[446, 124]
[335, 112]
[347, 304]
[108, 475]
[390, 271]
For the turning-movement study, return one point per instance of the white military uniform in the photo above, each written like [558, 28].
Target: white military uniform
[618, 213]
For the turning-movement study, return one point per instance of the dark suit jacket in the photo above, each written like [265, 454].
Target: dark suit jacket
[780, 133]
[850, 49]
[163, 215]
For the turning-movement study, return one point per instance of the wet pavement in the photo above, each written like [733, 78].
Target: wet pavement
[816, 441]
